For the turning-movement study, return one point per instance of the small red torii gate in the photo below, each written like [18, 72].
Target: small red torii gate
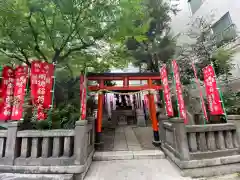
[125, 77]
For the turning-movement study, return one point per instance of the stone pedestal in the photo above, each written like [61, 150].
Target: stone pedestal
[181, 138]
[236, 120]
[12, 142]
[80, 140]
[161, 119]
[141, 121]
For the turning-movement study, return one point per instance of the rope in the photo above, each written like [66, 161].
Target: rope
[129, 93]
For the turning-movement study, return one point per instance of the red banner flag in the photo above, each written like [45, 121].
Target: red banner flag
[7, 87]
[41, 86]
[213, 97]
[21, 76]
[166, 91]
[83, 91]
[200, 92]
[181, 105]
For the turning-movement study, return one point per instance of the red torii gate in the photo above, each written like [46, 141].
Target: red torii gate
[125, 77]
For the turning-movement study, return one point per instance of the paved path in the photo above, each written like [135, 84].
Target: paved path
[143, 169]
[128, 154]
[128, 138]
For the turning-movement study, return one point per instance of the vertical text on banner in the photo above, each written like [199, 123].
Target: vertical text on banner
[41, 87]
[21, 78]
[178, 84]
[213, 96]
[166, 91]
[7, 87]
[83, 90]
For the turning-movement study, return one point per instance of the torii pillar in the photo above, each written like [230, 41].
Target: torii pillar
[152, 110]
[99, 115]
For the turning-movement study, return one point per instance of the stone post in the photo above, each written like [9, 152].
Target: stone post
[12, 145]
[235, 119]
[80, 142]
[141, 121]
[161, 119]
[180, 136]
[92, 121]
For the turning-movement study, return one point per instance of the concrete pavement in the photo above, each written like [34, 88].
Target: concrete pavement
[142, 169]
[128, 154]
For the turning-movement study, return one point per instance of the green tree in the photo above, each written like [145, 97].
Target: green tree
[203, 50]
[159, 47]
[64, 30]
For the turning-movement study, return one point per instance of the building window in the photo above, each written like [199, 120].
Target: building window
[224, 30]
[195, 5]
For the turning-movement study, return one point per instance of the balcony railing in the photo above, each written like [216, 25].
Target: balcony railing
[226, 36]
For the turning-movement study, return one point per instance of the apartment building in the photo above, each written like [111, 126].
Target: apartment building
[225, 22]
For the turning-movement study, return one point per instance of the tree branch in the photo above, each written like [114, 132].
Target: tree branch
[48, 30]
[70, 51]
[74, 26]
[13, 56]
[19, 48]
[35, 35]
[84, 45]
[25, 56]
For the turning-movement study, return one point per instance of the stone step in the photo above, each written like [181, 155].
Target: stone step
[16, 176]
[225, 177]
[128, 155]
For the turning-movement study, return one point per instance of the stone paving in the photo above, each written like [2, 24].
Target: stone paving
[128, 154]
[143, 169]
[127, 138]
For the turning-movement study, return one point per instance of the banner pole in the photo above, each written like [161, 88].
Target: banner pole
[26, 89]
[219, 91]
[162, 93]
[53, 89]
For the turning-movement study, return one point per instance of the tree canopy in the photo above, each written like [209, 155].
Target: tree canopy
[203, 50]
[159, 47]
[66, 31]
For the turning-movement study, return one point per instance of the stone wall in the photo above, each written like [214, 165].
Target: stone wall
[202, 150]
[47, 151]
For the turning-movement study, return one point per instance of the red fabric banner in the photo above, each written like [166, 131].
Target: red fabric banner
[84, 104]
[41, 87]
[200, 92]
[213, 96]
[21, 76]
[181, 105]
[81, 86]
[83, 97]
[166, 91]
[7, 87]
